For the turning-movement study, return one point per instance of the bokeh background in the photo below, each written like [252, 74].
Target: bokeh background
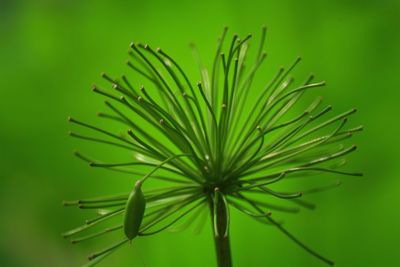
[52, 51]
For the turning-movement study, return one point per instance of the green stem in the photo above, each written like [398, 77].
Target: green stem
[222, 243]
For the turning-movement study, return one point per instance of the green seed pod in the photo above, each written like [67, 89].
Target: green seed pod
[134, 211]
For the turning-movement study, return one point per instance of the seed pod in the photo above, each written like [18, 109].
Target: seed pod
[134, 211]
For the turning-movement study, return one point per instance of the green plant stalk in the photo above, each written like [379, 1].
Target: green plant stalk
[221, 241]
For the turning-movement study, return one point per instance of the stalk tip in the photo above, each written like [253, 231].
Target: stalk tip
[138, 183]
[91, 257]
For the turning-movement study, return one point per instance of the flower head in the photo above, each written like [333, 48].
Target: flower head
[215, 144]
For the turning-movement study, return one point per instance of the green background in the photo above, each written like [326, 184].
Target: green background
[52, 51]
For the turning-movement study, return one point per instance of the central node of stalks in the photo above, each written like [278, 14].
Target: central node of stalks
[225, 187]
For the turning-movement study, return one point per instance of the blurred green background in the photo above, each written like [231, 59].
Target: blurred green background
[52, 51]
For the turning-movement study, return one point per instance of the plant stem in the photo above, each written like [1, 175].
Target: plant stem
[222, 243]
